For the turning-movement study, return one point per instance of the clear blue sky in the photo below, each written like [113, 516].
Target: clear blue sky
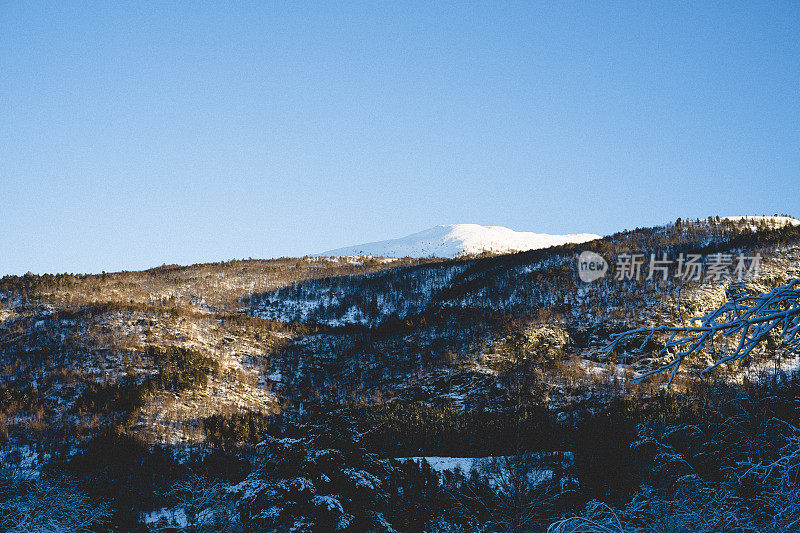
[138, 134]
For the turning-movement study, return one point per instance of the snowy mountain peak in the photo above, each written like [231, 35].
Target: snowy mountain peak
[460, 239]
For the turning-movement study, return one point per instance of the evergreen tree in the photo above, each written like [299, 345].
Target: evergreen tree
[325, 481]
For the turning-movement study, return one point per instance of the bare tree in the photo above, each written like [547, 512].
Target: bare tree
[781, 479]
[746, 317]
[205, 503]
[596, 518]
[690, 506]
[48, 506]
[510, 494]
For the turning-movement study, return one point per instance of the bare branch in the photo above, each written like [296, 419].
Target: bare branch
[750, 318]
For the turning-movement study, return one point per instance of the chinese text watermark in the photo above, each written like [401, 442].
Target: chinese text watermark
[714, 267]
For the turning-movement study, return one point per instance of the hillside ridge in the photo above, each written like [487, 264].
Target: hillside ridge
[453, 240]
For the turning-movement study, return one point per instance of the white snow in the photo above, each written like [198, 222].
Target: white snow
[460, 239]
[328, 502]
[21, 462]
[362, 479]
[468, 464]
[778, 221]
[771, 367]
[175, 516]
[440, 464]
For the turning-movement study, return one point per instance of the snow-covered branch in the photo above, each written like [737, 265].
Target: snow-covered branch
[746, 317]
[48, 506]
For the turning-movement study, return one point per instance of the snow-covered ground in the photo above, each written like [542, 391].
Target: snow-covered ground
[175, 516]
[769, 368]
[497, 474]
[21, 462]
[441, 464]
[777, 221]
[460, 239]
[467, 464]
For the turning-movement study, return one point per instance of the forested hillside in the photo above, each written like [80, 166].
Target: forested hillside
[283, 389]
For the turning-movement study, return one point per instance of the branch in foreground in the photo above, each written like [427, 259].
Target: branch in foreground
[748, 318]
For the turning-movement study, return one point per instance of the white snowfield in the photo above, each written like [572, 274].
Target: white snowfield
[454, 240]
[777, 221]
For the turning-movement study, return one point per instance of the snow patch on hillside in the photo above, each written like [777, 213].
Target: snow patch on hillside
[460, 239]
[772, 221]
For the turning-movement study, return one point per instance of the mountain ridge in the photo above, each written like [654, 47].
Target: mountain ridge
[454, 240]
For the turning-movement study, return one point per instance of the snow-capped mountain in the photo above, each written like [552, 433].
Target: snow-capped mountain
[460, 239]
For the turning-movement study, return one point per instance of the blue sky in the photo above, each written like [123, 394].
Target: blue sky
[138, 134]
